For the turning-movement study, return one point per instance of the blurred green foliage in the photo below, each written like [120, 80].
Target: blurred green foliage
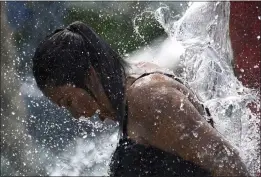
[113, 21]
[118, 29]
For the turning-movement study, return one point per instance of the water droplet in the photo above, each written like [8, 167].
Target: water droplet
[181, 106]
[221, 165]
[98, 111]
[195, 134]
[232, 165]
[183, 136]
[158, 111]
[92, 134]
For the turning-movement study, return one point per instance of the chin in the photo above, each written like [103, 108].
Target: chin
[102, 118]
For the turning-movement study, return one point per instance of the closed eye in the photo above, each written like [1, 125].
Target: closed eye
[60, 102]
[69, 102]
[64, 102]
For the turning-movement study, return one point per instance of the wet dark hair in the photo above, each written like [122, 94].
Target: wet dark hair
[65, 56]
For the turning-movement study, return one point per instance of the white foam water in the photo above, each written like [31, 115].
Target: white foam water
[197, 50]
[88, 157]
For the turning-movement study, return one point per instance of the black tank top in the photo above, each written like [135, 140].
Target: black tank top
[132, 159]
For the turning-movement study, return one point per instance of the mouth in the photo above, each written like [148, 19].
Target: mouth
[79, 115]
[102, 118]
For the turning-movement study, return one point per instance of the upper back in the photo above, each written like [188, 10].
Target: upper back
[133, 156]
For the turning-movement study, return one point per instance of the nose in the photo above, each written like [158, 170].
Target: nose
[75, 114]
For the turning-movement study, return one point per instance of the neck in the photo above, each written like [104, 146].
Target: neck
[106, 109]
[129, 82]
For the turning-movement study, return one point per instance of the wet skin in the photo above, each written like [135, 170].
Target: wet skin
[162, 113]
[79, 102]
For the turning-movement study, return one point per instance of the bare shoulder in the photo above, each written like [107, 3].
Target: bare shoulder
[154, 102]
[148, 88]
[145, 99]
[149, 94]
[150, 91]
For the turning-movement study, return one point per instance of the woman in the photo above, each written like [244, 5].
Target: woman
[163, 131]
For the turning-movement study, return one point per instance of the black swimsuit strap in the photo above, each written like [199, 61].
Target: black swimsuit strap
[159, 72]
[125, 120]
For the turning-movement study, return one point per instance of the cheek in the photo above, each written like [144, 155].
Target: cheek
[85, 105]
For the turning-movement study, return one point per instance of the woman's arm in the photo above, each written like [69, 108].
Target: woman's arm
[172, 124]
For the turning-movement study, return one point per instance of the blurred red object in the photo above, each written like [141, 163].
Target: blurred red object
[245, 27]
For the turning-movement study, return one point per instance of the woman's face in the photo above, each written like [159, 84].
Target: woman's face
[79, 102]
[75, 100]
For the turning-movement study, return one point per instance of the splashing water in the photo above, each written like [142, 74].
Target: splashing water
[198, 51]
[89, 157]
[205, 65]
[203, 61]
